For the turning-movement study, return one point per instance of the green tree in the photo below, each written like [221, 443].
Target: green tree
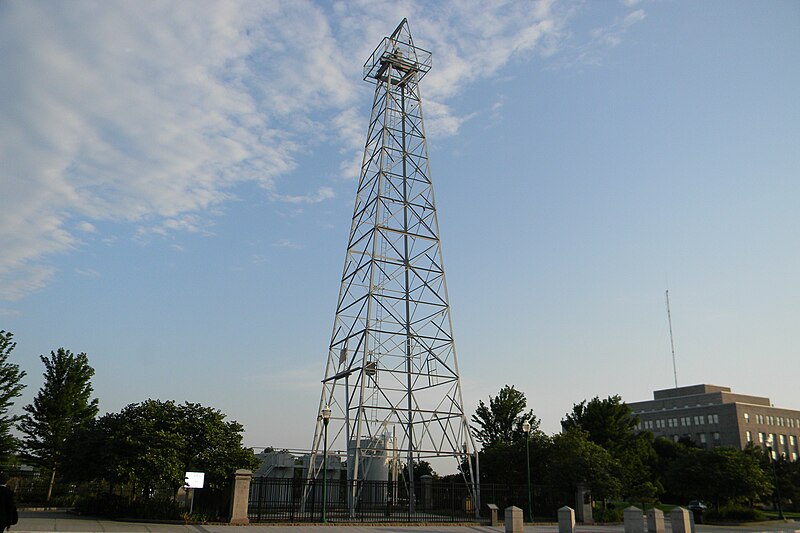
[421, 468]
[720, 476]
[574, 459]
[155, 442]
[780, 471]
[498, 426]
[212, 444]
[62, 406]
[611, 424]
[11, 387]
[501, 421]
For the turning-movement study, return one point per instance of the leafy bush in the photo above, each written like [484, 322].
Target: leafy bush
[114, 506]
[734, 513]
[607, 515]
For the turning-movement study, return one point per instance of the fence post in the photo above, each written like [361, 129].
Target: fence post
[240, 497]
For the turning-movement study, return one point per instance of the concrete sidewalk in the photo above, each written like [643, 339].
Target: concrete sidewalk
[56, 521]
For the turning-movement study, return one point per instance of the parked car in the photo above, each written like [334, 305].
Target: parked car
[696, 505]
[697, 508]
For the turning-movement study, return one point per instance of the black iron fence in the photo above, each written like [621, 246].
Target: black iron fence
[300, 500]
[31, 487]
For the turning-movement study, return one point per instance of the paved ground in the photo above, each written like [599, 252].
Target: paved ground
[37, 521]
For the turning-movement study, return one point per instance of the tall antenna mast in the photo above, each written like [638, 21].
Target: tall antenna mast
[671, 343]
[392, 386]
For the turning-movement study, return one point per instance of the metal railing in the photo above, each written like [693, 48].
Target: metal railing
[301, 500]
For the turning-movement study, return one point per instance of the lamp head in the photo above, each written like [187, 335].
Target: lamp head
[326, 414]
[526, 427]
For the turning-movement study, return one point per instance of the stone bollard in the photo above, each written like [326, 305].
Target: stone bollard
[513, 519]
[566, 520]
[634, 520]
[680, 519]
[493, 510]
[655, 521]
[240, 497]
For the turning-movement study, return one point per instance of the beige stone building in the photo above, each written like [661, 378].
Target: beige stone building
[714, 416]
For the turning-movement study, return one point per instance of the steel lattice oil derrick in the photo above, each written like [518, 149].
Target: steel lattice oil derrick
[391, 379]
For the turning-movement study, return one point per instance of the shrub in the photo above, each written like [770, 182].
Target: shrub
[734, 513]
[606, 516]
[114, 506]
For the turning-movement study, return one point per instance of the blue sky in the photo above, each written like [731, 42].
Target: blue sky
[177, 181]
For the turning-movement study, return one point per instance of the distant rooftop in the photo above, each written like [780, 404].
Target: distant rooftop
[690, 390]
[696, 395]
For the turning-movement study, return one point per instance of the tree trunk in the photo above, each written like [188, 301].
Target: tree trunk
[52, 482]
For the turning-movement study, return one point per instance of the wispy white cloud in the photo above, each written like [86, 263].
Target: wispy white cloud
[151, 113]
[288, 243]
[87, 272]
[320, 195]
[86, 227]
[612, 34]
[16, 283]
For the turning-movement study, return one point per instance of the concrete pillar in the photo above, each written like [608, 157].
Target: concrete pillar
[513, 519]
[427, 491]
[566, 520]
[681, 521]
[655, 521]
[583, 505]
[634, 520]
[240, 497]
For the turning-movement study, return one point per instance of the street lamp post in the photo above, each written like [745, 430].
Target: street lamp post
[526, 427]
[770, 442]
[326, 417]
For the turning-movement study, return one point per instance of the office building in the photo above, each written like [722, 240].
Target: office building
[713, 416]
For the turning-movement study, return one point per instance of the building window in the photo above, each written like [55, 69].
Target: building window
[794, 456]
[702, 438]
[783, 440]
[761, 438]
[713, 419]
[746, 418]
[792, 440]
[675, 438]
[748, 436]
[715, 436]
